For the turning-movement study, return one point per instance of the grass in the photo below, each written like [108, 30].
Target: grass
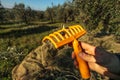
[20, 41]
[17, 40]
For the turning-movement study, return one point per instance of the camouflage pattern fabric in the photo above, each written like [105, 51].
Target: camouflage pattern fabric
[40, 61]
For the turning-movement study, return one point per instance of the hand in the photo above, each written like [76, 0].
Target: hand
[99, 60]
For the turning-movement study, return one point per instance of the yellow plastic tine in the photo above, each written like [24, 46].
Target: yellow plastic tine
[77, 30]
[65, 35]
[68, 32]
[71, 30]
[58, 40]
[77, 27]
[49, 38]
[81, 28]
[74, 29]
[59, 35]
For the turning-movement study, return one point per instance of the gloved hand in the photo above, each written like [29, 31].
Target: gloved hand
[99, 60]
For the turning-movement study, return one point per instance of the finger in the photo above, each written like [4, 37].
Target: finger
[97, 68]
[86, 57]
[73, 55]
[76, 63]
[88, 48]
[102, 70]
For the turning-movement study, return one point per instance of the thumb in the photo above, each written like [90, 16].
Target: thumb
[87, 57]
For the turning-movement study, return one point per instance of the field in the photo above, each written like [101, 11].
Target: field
[18, 39]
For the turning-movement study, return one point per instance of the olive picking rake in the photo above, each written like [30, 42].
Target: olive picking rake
[67, 35]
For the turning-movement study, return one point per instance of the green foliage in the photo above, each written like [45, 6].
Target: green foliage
[8, 59]
[91, 12]
[2, 11]
[14, 48]
[61, 13]
[98, 30]
[20, 13]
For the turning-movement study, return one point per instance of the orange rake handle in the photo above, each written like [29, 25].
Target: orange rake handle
[83, 66]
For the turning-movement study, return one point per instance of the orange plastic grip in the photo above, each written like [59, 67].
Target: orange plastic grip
[83, 66]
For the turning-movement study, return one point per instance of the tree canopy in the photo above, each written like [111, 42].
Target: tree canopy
[91, 13]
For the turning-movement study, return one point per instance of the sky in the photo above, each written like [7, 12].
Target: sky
[34, 4]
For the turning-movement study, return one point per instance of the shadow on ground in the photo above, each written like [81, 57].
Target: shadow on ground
[29, 31]
[18, 26]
